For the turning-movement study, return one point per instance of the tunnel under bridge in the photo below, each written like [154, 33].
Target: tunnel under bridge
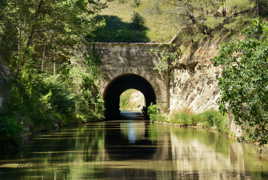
[131, 66]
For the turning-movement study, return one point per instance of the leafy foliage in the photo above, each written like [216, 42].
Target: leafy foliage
[208, 119]
[244, 81]
[39, 41]
[168, 58]
[9, 126]
[185, 117]
[155, 114]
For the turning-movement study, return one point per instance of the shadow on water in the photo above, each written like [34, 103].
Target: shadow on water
[126, 149]
[132, 115]
[115, 30]
[128, 139]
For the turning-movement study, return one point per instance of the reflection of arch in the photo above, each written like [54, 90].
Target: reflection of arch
[119, 147]
[118, 86]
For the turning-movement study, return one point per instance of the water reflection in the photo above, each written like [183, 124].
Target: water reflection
[128, 140]
[134, 150]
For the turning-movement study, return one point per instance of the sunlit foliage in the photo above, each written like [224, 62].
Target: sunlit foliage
[39, 42]
[244, 81]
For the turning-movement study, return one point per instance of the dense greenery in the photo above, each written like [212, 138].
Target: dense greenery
[208, 119]
[244, 81]
[50, 84]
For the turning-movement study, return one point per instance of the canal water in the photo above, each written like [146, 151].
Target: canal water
[135, 150]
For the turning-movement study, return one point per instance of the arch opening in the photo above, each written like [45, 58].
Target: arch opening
[132, 100]
[120, 84]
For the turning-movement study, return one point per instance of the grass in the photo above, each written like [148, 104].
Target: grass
[158, 22]
[209, 119]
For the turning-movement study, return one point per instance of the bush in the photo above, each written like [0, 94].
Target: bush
[244, 81]
[154, 113]
[214, 119]
[181, 118]
[185, 117]
[39, 101]
[9, 126]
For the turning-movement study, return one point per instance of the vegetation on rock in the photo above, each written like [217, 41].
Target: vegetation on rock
[244, 81]
[209, 119]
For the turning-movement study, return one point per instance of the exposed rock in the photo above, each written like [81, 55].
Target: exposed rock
[197, 90]
[195, 86]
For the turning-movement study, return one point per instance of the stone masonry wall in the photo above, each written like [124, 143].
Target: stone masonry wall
[132, 58]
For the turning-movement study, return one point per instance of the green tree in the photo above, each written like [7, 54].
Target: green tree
[208, 16]
[244, 81]
[44, 31]
[39, 42]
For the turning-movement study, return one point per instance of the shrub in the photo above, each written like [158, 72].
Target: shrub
[184, 116]
[39, 101]
[9, 126]
[155, 114]
[243, 82]
[209, 118]
[181, 117]
[215, 119]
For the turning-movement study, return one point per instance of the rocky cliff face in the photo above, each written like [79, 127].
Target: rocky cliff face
[194, 86]
[196, 90]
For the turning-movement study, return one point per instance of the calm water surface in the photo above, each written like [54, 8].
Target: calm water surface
[134, 150]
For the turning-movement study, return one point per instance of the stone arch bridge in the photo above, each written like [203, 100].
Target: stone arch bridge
[131, 66]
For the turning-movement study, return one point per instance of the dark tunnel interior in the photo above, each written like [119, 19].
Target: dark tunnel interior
[118, 86]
